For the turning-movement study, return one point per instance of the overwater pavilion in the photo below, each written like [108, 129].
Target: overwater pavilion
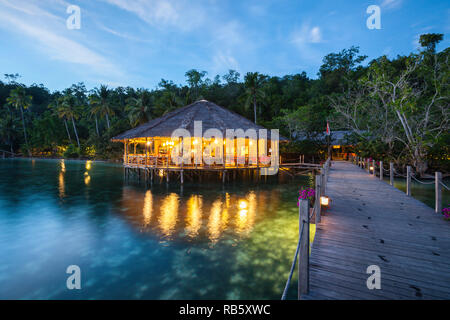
[149, 147]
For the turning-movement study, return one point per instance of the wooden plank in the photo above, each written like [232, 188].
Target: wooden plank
[370, 222]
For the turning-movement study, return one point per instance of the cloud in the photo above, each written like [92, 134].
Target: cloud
[42, 30]
[315, 35]
[391, 4]
[180, 14]
[305, 39]
[307, 34]
[223, 62]
[121, 34]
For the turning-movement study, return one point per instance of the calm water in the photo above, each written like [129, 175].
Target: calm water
[199, 242]
[424, 192]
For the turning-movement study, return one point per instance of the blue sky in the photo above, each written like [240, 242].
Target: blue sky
[138, 42]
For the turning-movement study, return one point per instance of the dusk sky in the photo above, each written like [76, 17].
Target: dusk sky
[138, 42]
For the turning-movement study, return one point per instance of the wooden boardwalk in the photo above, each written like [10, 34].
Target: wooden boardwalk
[372, 223]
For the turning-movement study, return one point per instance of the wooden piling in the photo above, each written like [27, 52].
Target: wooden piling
[373, 168]
[323, 183]
[381, 170]
[391, 173]
[408, 180]
[318, 195]
[303, 259]
[438, 192]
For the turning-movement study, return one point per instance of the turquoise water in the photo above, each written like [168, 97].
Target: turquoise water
[131, 242]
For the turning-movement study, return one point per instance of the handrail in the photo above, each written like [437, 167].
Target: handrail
[361, 162]
[318, 193]
[9, 152]
[288, 282]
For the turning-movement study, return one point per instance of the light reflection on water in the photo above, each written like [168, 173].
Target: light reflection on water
[167, 242]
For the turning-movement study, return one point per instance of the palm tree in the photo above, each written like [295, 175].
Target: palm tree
[7, 130]
[253, 82]
[101, 103]
[68, 109]
[19, 99]
[57, 108]
[139, 108]
[93, 110]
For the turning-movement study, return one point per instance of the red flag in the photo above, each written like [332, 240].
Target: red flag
[328, 129]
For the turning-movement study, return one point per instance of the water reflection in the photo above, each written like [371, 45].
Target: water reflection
[215, 221]
[169, 214]
[87, 177]
[61, 183]
[204, 242]
[148, 208]
[193, 217]
[61, 186]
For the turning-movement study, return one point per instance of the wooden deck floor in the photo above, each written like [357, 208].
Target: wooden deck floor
[373, 223]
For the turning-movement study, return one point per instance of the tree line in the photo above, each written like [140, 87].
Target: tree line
[395, 109]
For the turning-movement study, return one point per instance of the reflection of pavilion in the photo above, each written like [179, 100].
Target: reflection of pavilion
[192, 218]
[150, 148]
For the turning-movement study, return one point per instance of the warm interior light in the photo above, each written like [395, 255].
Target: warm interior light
[148, 143]
[371, 168]
[242, 204]
[215, 141]
[251, 143]
[324, 201]
[195, 141]
[161, 173]
[243, 213]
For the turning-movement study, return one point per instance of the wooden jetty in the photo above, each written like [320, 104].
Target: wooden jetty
[369, 223]
[151, 172]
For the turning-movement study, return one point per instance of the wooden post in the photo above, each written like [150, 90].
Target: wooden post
[408, 180]
[146, 152]
[318, 195]
[368, 165]
[391, 173]
[303, 259]
[125, 158]
[224, 175]
[381, 170]
[181, 177]
[323, 184]
[438, 192]
[373, 166]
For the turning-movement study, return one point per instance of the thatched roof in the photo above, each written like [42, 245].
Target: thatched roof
[211, 115]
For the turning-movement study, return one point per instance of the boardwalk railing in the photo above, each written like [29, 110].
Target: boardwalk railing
[371, 168]
[303, 246]
[4, 153]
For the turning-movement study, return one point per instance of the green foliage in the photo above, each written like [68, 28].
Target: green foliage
[82, 122]
[72, 152]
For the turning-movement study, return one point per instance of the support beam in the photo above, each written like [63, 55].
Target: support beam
[318, 195]
[438, 192]
[303, 259]
[381, 170]
[391, 173]
[408, 180]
